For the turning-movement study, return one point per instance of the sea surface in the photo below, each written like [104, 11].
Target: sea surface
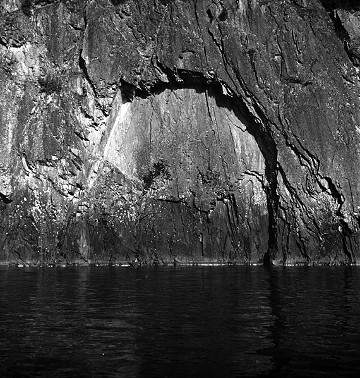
[180, 322]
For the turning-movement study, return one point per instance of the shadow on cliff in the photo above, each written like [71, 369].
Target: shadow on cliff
[330, 5]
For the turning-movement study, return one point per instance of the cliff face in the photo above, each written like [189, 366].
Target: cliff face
[188, 130]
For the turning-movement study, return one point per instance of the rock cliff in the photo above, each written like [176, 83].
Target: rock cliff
[172, 130]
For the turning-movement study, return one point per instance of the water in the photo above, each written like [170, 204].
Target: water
[180, 322]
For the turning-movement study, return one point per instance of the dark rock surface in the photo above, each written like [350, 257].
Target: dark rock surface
[179, 131]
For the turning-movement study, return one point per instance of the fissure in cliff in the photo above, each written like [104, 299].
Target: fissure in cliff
[213, 131]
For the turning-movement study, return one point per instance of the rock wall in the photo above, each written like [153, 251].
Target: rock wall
[181, 131]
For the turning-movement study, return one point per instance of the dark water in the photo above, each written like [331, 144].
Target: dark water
[183, 322]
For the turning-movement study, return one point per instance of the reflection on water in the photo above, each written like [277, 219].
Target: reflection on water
[180, 322]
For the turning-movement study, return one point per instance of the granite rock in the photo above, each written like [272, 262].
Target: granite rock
[186, 131]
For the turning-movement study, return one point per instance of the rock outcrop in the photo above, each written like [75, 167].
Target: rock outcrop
[170, 130]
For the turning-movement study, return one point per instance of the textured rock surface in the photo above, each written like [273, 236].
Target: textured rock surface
[188, 130]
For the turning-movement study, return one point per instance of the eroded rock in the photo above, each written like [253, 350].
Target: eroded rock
[171, 130]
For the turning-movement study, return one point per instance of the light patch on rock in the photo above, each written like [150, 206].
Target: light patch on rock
[27, 58]
[121, 141]
[11, 5]
[247, 149]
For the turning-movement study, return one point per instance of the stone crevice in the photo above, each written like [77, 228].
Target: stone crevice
[251, 106]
